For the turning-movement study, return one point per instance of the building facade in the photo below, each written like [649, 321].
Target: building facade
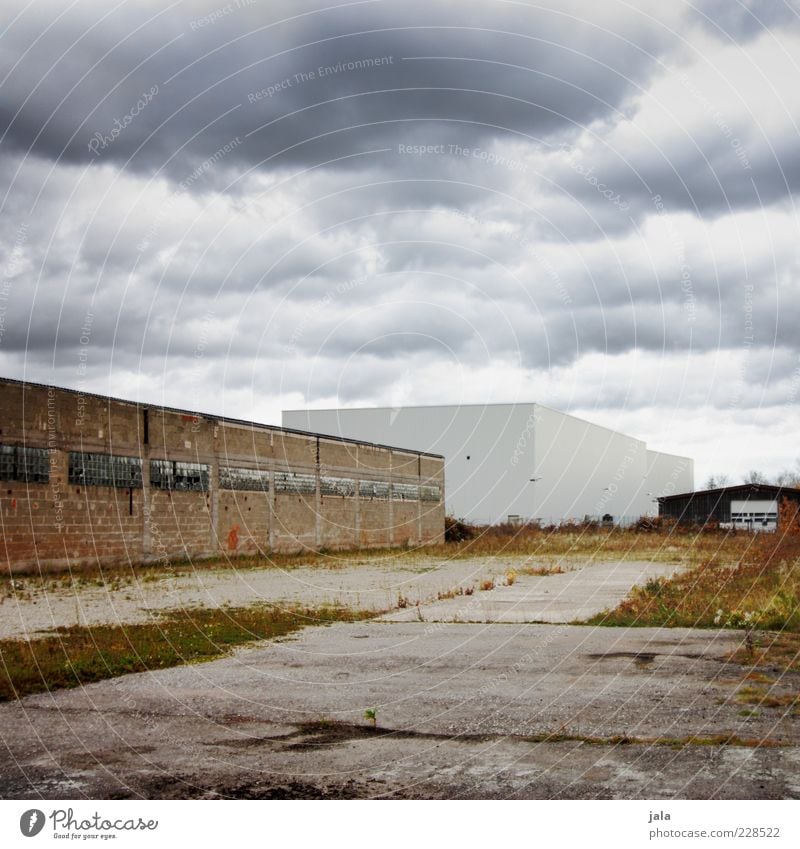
[749, 506]
[521, 461]
[87, 478]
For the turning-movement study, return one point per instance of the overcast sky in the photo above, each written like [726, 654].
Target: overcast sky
[257, 206]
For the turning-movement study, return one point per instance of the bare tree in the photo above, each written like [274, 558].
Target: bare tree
[754, 476]
[789, 477]
[717, 481]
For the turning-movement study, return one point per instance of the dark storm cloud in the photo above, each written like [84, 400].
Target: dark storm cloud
[724, 165]
[437, 73]
[256, 266]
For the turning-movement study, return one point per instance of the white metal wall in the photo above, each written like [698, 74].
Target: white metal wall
[492, 452]
[668, 474]
[586, 469]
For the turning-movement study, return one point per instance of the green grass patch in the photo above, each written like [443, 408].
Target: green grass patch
[75, 655]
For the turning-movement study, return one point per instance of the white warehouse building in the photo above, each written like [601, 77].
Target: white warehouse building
[519, 461]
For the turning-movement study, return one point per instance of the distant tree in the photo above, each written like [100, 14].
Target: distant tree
[717, 481]
[789, 477]
[754, 476]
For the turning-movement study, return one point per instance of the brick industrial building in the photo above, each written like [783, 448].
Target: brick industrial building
[87, 478]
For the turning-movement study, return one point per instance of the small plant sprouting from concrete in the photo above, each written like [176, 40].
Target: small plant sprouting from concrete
[371, 715]
[742, 621]
[487, 584]
[511, 577]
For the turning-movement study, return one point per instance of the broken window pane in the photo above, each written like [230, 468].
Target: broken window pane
[21, 463]
[294, 482]
[405, 492]
[179, 476]
[430, 492]
[104, 470]
[346, 487]
[252, 480]
[375, 490]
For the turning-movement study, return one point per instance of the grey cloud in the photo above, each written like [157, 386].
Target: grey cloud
[570, 73]
[707, 176]
[743, 20]
[247, 277]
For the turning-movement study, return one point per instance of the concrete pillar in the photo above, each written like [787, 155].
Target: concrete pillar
[271, 503]
[147, 537]
[213, 491]
[358, 497]
[317, 503]
[391, 501]
[357, 521]
[419, 499]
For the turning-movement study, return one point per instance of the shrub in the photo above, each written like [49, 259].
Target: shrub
[789, 517]
[457, 530]
[655, 524]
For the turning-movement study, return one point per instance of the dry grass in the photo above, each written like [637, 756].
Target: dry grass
[759, 593]
[762, 697]
[442, 595]
[533, 543]
[760, 590]
[541, 570]
[676, 545]
[774, 653]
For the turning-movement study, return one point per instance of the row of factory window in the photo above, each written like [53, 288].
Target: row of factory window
[20, 463]
[33, 465]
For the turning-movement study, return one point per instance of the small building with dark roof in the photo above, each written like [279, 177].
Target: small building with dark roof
[748, 506]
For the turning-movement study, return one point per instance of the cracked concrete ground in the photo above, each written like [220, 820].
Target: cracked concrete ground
[373, 584]
[498, 709]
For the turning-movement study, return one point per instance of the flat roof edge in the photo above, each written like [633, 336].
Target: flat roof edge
[770, 487]
[218, 418]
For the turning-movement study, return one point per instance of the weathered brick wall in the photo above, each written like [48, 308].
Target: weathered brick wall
[244, 521]
[179, 524]
[63, 523]
[338, 522]
[374, 530]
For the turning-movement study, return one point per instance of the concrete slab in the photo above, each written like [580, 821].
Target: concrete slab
[373, 583]
[461, 712]
[573, 596]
